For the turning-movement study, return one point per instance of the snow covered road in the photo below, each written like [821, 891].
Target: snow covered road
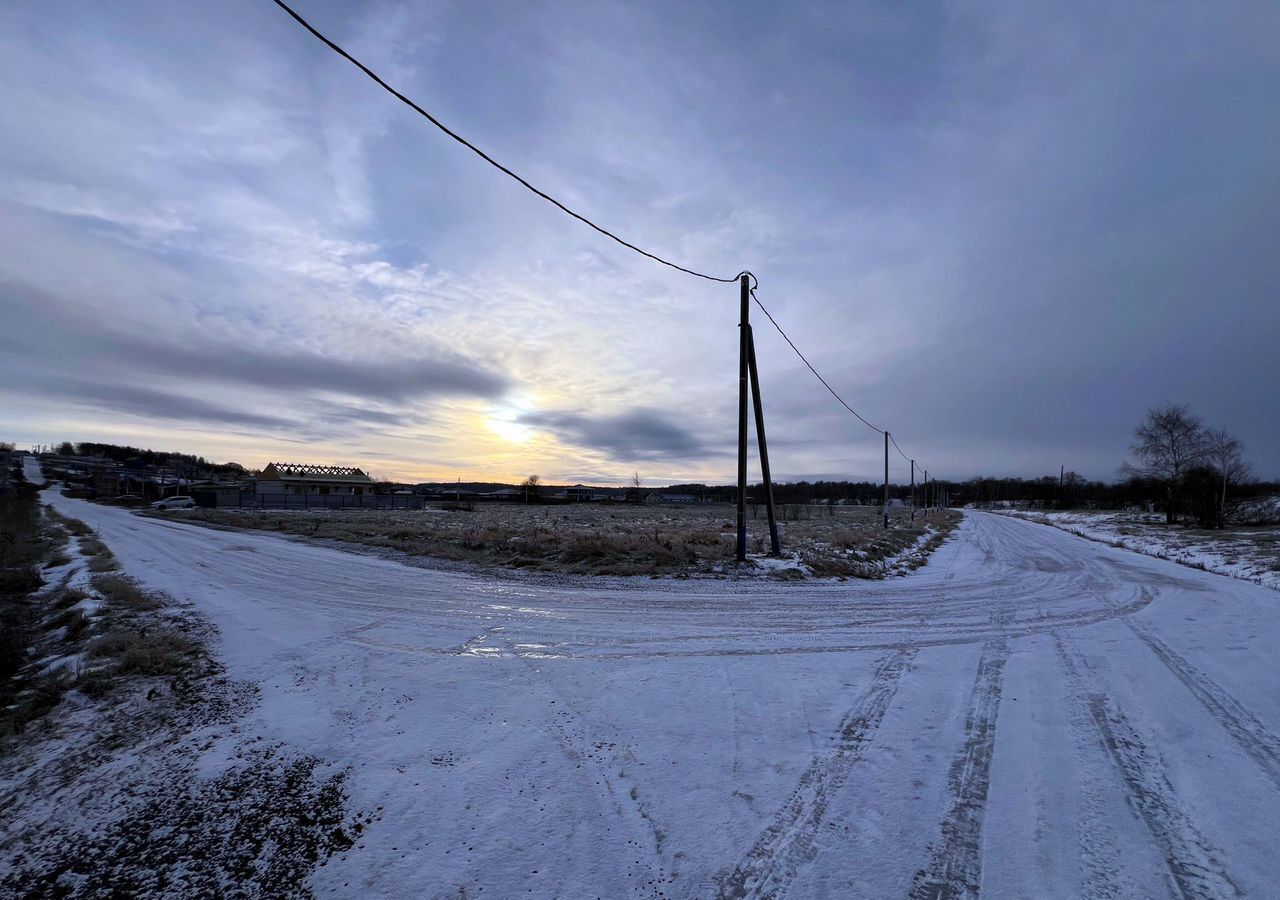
[1030, 715]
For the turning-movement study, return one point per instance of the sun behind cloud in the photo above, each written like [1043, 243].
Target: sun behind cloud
[504, 420]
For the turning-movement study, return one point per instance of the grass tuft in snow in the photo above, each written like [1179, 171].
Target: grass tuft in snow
[146, 651]
[124, 593]
[104, 562]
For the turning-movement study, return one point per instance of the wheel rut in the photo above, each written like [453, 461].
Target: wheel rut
[1194, 866]
[774, 859]
[955, 869]
[1254, 739]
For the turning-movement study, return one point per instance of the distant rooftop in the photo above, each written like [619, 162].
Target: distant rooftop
[305, 472]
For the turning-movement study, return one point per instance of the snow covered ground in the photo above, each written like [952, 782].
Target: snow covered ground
[1029, 715]
[1250, 553]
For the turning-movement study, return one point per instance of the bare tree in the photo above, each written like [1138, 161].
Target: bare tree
[532, 485]
[634, 494]
[1170, 442]
[1225, 452]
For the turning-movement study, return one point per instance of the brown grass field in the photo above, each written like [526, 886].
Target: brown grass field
[604, 539]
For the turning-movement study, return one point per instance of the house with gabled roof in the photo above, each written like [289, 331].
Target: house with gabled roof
[314, 480]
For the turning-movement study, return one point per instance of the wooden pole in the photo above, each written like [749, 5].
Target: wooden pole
[774, 541]
[886, 479]
[913, 491]
[743, 324]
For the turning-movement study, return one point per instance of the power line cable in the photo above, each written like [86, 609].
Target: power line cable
[894, 441]
[841, 400]
[486, 157]
[825, 383]
[581, 218]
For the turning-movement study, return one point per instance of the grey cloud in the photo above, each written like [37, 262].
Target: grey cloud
[42, 326]
[141, 401]
[634, 434]
[388, 379]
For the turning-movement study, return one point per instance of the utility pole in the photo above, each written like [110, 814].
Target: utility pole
[1062, 471]
[886, 479]
[743, 348]
[774, 543]
[913, 492]
[926, 493]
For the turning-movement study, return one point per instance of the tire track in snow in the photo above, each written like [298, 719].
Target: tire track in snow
[1254, 739]
[1194, 868]
[771, 864]
[955, 870]
[648, 874]
[998, 630]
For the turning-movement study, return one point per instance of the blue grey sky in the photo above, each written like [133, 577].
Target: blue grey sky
[1002, 230]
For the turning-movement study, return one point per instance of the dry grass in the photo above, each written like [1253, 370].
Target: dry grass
[66, 598]
[74, 621]
[75, 526]
[602, 539]
[103, 562]
[143, 651]
[91, 546]
[124, 593]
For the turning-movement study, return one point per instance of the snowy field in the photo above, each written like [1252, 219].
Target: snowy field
[1251, 553]
[1029, 715]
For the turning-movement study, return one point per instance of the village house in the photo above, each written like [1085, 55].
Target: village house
[299, 479]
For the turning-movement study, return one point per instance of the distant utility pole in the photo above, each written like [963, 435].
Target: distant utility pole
[886, 479]
[913, 491]
[926, 493]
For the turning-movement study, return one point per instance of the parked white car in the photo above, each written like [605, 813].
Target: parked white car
[174, 503]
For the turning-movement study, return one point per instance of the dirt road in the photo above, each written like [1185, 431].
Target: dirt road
[1030, 715]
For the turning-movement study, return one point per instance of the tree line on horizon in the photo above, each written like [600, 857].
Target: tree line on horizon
[1180, 467]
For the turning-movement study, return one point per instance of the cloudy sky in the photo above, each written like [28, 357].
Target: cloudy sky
[1002, 230]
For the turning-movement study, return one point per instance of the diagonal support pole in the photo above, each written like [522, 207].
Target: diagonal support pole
[774, 541]
[743, 338]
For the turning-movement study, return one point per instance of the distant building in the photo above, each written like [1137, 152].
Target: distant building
[677, 498]
[298, 479]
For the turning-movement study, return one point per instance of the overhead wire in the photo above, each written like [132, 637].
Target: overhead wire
[485, 156]
[894, 441]
[377, 79]
[826, 384]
